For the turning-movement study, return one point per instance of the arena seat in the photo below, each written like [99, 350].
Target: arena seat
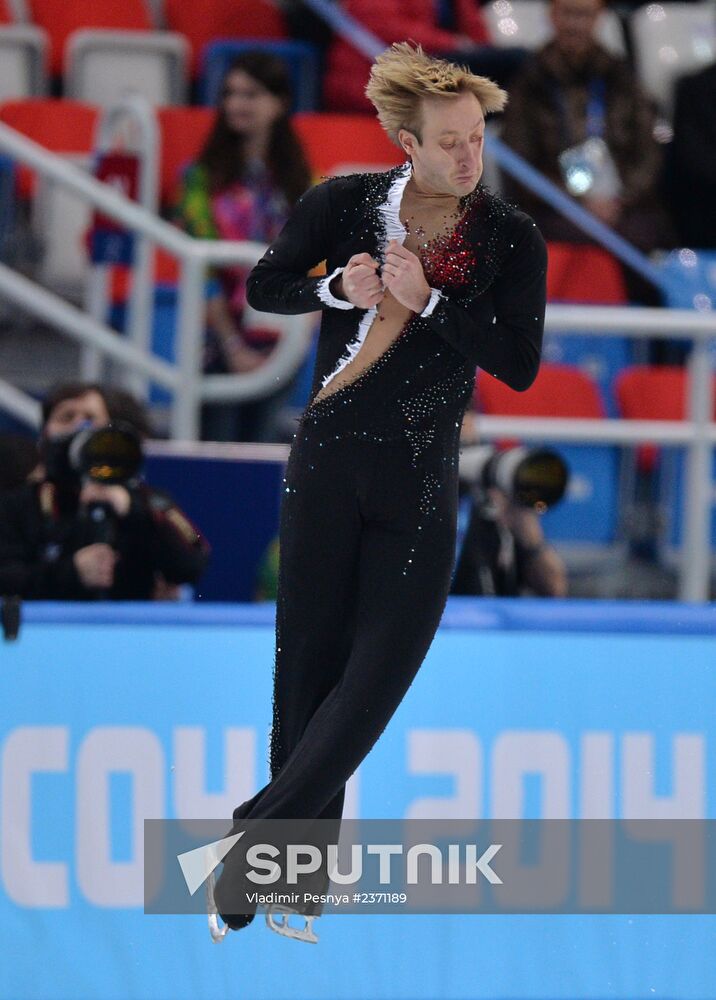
[584, 273]
[60, 18]
[526, 23]
[342, 144]
[223, 19]
[558, 391]
[587, 275]
[647, 392]
[653, 392]
[60, 220]
[102, 63]
[671, 39]
[60, 125]
[182, 133]
[23, 59]
[7, 14]
[585, 522]
[301, 61]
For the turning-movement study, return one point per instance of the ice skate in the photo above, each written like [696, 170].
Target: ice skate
[218, 933]
[282, 926]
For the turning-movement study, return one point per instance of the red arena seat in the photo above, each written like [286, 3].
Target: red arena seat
[558, 391]
[653, 392]
[338, 144]
[223, 19]
[60, 18]
[59, 125]
[583, 273]
[182, 134]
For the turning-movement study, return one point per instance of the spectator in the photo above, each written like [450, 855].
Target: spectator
[504, 552]
[48, 541]
[18, 459]
[249, 174]
[464, 41]
[572, 90]
[693, 153]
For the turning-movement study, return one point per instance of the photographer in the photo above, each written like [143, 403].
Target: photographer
[88, 528]
[504, 552]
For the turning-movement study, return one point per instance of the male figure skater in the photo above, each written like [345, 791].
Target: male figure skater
[428, 276]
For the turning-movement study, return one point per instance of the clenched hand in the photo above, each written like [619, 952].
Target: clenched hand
[404, 278]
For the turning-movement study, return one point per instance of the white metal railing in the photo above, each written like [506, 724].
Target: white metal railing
[185, 378]
[190, 387]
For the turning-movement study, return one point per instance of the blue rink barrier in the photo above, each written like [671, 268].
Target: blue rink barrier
[112, 714]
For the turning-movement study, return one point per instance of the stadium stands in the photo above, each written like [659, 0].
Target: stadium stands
[222, 20]
[62, 126]
[588, 515]
[60, 18]
[526, 23]
[671, 39]
[100, 65]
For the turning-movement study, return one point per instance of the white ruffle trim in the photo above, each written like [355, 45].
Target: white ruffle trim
[326, 295]
[394, 230]
[435, 296]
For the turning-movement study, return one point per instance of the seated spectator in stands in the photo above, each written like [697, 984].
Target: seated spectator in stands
[693, 159]
[50, 544]
[503, 552]
[249, 174]
[463, 39]
[18, 459]
[573, 90]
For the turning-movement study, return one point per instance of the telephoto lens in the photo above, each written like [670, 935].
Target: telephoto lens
[531, 477]
[110, 455]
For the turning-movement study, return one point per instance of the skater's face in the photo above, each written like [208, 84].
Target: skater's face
[448, 159]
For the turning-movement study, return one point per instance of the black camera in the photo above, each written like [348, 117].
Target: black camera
[111, 455]
[530, 477]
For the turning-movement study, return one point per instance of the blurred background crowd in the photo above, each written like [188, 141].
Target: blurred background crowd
[251, 103]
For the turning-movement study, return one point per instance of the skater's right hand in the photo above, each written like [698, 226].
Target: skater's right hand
[360, 282]
[95, 565]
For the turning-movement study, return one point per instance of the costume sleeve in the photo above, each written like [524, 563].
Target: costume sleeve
[279, 283]
[501, 330]
[179, 550]
[25, 571]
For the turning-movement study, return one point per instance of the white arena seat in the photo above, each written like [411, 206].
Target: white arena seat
[526, 23]
[23, 61]
[671, 39]
[60, 220]
[102, 64]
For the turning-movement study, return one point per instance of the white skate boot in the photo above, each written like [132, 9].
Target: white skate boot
[218, 933]
[282, 926]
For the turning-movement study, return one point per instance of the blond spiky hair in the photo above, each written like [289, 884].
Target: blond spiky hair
[404, 74]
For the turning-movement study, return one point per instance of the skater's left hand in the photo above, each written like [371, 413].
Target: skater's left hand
[403, 277]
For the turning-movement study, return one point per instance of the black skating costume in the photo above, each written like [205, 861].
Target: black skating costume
[368, 517]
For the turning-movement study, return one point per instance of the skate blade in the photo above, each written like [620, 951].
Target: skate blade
[217, 933]
[282, 926]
